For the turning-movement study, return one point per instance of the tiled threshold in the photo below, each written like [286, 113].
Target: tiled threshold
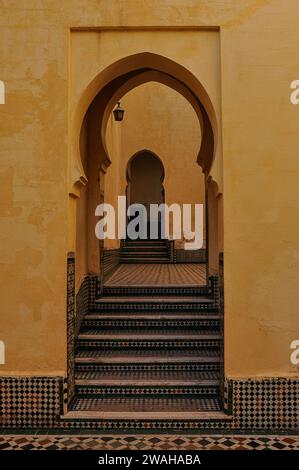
[146, 415]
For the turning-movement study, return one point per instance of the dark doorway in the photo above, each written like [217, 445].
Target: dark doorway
[145, 175]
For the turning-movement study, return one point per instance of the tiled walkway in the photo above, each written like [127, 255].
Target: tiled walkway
[147, 442]
[158, 274]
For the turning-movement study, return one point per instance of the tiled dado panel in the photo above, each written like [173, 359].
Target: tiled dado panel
[77, 307]
[85, 299]
[266, 404]
[70, 320]
[30, 402]
[256, 405]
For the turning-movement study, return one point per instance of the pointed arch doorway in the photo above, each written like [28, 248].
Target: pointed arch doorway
[149, 320]
[145, 176]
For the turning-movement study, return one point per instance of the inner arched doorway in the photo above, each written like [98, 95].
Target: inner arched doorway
[96, 104]
[145, 175]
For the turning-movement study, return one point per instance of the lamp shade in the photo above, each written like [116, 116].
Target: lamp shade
[118, 112]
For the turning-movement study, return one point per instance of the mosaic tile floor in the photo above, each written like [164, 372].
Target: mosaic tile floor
[147, 442]
[158, 274]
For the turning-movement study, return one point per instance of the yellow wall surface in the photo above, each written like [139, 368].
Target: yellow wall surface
[246, 67]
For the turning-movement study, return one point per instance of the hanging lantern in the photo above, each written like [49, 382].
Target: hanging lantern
[118, 112]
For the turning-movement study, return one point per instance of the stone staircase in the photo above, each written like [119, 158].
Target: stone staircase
[144, 251]
[150, 354]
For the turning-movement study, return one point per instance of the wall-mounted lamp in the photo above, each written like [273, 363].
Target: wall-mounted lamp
[118, 112]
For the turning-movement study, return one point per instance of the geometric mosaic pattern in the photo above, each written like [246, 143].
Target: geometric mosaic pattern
[266, 404]
[70, 321]
[30, 401]
[77, 307]
[85, 299]
[146, 404]
[127, 332]
[147, 442]
[141, 353]
[37, 402]
[155, 375]
[269, 405]
[82, 303]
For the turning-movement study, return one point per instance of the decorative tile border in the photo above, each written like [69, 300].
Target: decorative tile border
[148, 442]
[85, 299]
[222, 391]
[228, 397]
[70, 319]
[93, 288]
[156, 290]
[82, 303]
[77, 307]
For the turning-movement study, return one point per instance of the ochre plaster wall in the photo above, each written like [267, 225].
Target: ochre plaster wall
[246, 69]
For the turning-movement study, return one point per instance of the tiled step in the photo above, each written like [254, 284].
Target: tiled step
[145, 377]
[148, 359]
[153, 300]
[156, 290]
[85, 366]
[162, 303]
[125, 362]
[142, 255]
[156, 421]
[154, 356]
[124, 341]
[150, 316]
[150, 321]
[153, 313]
[146, 242]
[151, 335]
[143, 260]
[141, 404]
[146, 389]
[144, 249]
[147, 383]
